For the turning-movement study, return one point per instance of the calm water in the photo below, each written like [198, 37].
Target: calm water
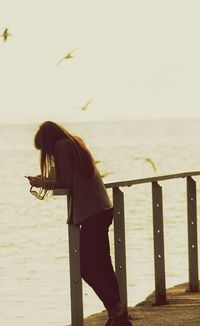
[34, 272]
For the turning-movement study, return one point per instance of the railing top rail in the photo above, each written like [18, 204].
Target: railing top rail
[129, 183]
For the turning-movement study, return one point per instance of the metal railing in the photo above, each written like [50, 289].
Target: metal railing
[120, 243]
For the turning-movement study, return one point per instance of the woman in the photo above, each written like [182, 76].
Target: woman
[89, 207]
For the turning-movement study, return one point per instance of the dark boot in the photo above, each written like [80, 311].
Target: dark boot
[122, 320]
[109, 321]
[118, 316]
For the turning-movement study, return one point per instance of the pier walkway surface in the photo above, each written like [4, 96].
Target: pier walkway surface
[183, 309]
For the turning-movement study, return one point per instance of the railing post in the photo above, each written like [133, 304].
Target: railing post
[120, 245]
[75, 277]
[159, 258]
[192, 235]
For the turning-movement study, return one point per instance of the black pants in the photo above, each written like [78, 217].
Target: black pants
[95, 260]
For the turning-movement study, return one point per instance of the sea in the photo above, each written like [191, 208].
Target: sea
[34, 268]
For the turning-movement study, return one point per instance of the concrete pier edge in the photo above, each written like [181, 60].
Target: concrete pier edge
[183, 309]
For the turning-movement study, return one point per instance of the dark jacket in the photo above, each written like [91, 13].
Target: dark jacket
[88, 196]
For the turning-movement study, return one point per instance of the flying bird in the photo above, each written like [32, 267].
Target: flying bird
[69, 55]
[5, 34]
[85, 107]
[147, 159]
[105, 174]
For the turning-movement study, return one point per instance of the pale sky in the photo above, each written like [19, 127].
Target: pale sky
[134, 59]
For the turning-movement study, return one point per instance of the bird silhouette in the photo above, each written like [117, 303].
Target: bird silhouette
[105, 174]
[69, 55]
[5, 34]
[85, 107]
[147, 159]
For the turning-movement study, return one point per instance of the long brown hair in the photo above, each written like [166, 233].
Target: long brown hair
[45, 139]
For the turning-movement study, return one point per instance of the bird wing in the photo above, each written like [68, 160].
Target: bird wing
[5, 34]
[68, 55]
[147, 159]
[152, 164]
[103, 175]
[84, 108]
[60, 61]
[74, 49]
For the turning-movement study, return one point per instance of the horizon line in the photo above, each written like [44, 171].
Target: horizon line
[7, 123]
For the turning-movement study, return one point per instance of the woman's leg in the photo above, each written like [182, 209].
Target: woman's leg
[95, 260]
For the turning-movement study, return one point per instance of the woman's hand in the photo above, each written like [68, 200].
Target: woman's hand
[35, 181]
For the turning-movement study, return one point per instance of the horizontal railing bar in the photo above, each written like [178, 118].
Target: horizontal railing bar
[129, 183]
